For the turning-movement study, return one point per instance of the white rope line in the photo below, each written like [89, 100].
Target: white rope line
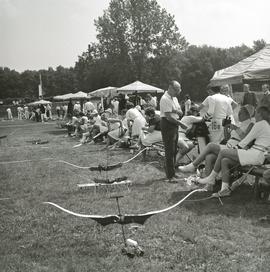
[10, 162]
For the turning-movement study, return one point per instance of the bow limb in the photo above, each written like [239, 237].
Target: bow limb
[171, 207]
[104, 167]
[103, 220]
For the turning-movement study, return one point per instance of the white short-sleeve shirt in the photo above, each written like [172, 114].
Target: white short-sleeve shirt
[168, 104]
[132, 114]
[219, 106]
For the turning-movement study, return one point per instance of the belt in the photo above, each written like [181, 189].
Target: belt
[260, 148]
[233, 138]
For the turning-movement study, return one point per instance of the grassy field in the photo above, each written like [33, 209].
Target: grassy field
[196, 236]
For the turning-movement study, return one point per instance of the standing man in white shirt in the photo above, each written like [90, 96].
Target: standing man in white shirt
[170, 112]
[115, 105]
[218, 108]
[77, 107]
[9, 113]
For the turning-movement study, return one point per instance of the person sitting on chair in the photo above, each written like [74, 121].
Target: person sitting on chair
[135, 120]
[242, 154]
[150, 134]
[210, 153]
[185, 144]
[117, 128]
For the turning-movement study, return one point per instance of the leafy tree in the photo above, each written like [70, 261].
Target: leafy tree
[131, 35]
[258, 45]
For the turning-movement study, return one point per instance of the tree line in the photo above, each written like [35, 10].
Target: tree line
[136, 40]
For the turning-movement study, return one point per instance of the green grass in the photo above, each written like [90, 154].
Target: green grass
[196, 236]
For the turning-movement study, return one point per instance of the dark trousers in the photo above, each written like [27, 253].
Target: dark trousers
[169, 133]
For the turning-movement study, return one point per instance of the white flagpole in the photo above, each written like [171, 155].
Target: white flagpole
[40, 94]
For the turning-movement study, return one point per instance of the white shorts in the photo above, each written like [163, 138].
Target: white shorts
[251, 156]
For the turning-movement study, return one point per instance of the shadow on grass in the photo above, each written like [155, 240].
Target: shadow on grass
[240, 204]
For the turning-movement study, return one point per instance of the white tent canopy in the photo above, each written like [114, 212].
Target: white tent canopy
[78, 95]
[43, 102]
[62, 97]
[139, 87]
[104, 92]
[254, 68]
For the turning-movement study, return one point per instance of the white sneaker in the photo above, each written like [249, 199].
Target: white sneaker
[207, 180]
[189, 168]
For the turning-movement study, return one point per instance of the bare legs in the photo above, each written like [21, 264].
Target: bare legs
[231, 154]
[226, 158]
[184, 148]
[211, 148]
[209, 163]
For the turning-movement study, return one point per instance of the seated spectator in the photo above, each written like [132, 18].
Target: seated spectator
[210, 153]
[100, 128]
[94, 117]
[242, 154]
[97, 128]
[184, 143]
[152, 133]
[88, 107]
[117, 128]
[71, 125]
[135, 120]
[32, 114]
[150, 102]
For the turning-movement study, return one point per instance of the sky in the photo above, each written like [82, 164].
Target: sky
[38, 34]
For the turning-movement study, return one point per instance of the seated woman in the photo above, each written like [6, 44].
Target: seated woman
[117, 128]
[210, 153]
[242, 154]
[80, 124]
[184, 143]
[135, 120]
[94, 118]
[152, 133]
